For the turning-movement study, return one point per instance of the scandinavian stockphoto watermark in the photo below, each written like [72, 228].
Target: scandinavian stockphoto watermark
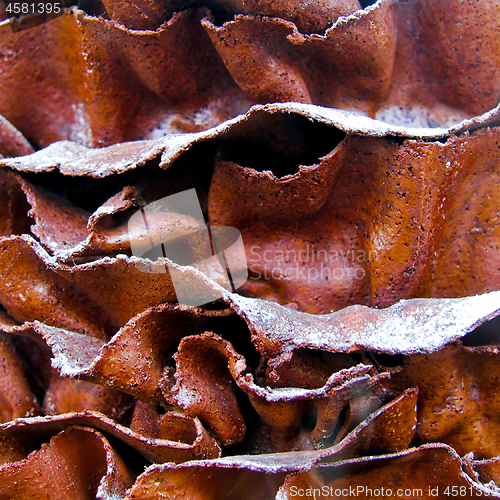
[362, 491]
[309, 263]
[174, 228]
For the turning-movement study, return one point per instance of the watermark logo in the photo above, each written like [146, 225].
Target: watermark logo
[174, 228]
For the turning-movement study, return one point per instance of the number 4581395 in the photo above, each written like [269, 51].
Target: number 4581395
[463, 491]
[33, 8]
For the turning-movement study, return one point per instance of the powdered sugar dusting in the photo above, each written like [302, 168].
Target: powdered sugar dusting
[410, 326]
[73, 352]
[71, 158]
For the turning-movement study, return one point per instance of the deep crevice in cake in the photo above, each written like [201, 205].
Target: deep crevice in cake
[486, 334]
[283, 146]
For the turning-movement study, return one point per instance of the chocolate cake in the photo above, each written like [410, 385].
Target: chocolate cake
[355, 148]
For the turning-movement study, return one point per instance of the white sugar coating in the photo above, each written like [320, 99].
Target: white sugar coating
[410, 326]
[73, 159]
[186, 396]
[69, 360]
[269, 462]
[282, 394]
[104, 494]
